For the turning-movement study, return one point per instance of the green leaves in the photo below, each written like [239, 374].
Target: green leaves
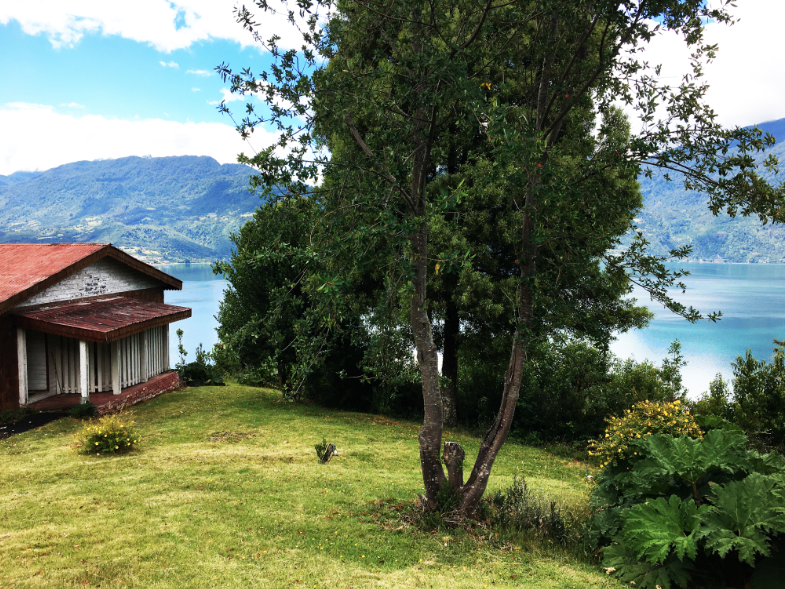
[652, 529]
[715, 497]
[620, 559]
[743, 513]
[691, 459]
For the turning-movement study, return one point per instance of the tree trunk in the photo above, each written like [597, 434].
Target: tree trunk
[328, 453]
[450, 362]
[452, 324]
[431, 431]
[453, 458]
[427, 354]
[475, 487]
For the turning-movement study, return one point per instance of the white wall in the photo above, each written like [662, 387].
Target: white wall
[106, 276]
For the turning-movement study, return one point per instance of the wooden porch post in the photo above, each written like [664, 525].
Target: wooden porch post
[144, 369]
[84, 372]
[115, 362]
[166, 348]
[21, 356]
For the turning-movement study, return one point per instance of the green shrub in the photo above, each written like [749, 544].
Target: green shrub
[697, 512]
[321, 448]
[110, 434]
[83, 410]
[520, 510]
[639, 423]
[568, 390]
[255, 378]
[325, 451]
[10, 415]
[201, 372]
[716, 402]
[757, 402]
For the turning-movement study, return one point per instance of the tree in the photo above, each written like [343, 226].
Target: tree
[370, 103]
[257, 316]
[362, 364]
[477, 295]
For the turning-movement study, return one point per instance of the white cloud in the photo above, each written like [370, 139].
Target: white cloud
[38, 138]
[196, 89]
[167, 25]
[74, 105]
[199, 72]
[745, 82]
[228, 96]
[170, 64]
[28, 106]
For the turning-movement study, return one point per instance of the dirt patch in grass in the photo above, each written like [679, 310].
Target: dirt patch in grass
[29, 422]
[231, 436]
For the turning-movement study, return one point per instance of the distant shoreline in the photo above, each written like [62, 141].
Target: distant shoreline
[182, 264]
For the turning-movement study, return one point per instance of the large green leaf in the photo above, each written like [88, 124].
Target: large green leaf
[711, 422]
[649, 480]
[766, 463]
[742, 515]
[605, 525]
[655, 528]
[619, 559]
[690, 459]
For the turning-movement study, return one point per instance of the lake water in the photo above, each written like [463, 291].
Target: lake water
[750, 296]
[752, 300]
[202, 292]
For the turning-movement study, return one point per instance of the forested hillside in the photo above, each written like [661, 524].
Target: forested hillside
[672, 218]
[161, 209]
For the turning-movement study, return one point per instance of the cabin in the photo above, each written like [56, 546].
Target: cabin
[80, 320]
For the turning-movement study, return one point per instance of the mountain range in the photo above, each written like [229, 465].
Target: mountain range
[164, 209]
[672, 217]
[173, 209]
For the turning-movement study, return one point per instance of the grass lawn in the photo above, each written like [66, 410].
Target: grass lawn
[225, 491]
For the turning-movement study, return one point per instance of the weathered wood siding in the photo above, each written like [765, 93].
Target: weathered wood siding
[106, 276]
[37, 367]
[9, 369]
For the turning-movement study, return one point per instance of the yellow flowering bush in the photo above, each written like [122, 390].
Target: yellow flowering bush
[639, 422]
[110, 434]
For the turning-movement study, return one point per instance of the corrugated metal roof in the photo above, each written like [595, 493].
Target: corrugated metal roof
[104, 320]
[28, 268]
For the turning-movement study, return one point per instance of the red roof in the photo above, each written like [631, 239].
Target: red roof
[105, 320]
[29, 268]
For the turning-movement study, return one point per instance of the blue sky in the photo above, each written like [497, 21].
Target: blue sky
[89, 79]
[116, 77]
